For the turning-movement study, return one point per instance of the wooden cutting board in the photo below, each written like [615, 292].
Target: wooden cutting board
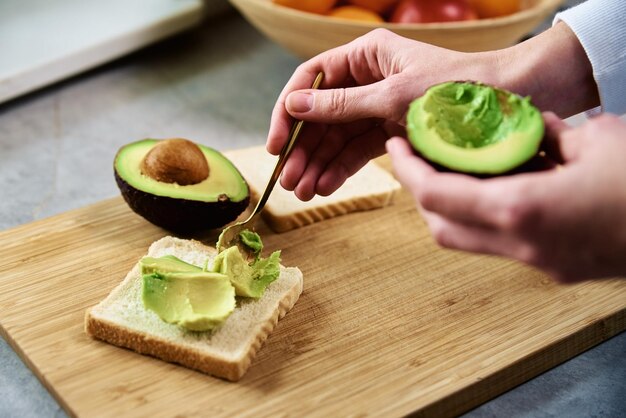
[388, 323]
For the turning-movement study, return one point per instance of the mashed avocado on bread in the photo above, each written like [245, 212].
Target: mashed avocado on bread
[121, 319]
[199, 299]
[474, 128]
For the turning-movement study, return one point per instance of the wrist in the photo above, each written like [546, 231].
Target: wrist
[553, 69]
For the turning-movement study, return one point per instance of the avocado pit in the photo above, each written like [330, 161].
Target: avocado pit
[177, 161]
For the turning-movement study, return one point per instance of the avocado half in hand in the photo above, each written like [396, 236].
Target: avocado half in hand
[179, 185]
[474, 128]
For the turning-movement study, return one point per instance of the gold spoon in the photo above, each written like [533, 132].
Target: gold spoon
[230, 236]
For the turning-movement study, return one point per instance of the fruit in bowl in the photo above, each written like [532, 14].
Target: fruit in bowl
[378, 6]
[312, 6]
[355, 13]
[307, 34]
[496, 8]
[429, 11]
[406, 11]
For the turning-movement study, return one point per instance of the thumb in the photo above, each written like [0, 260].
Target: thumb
[345, 104]
[409, 169]
[558, 144]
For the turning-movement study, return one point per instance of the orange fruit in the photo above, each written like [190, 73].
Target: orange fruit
[378, 6]
[312, 6]
[495, 8]
[355, 13]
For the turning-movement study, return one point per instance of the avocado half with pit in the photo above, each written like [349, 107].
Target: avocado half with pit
[179, 185]
[474, 128]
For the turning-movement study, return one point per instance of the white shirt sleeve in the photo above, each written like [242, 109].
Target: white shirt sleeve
[600, 26]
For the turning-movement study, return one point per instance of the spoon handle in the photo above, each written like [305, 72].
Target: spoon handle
[284, 154]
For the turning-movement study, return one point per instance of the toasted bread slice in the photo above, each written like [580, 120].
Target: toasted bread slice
[371, 187]
[122, 320]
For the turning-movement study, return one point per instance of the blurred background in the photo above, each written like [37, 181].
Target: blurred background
[80, 78]
[43, 42]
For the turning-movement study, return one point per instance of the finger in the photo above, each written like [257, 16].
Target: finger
[442, 193]
[362, 62]
[410, 169]
[555, 127]
[464, 199]
[298, 160]
[455, 196]
[281, 121]
[329, 147]
[477, 239]
[562, 142]
[377, 100]
[337, 73]
[355, 154]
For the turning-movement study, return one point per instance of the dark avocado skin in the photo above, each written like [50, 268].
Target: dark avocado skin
[536, 163]
[180, 215]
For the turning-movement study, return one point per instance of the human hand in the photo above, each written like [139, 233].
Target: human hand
[568, 221]
[368, 86]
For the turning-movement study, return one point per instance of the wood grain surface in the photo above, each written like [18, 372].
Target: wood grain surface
[388, 323]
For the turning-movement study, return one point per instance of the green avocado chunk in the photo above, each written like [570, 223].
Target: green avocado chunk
[251, 240]
[166, 264]
[197, 301]
[249, 280]
[474, 128]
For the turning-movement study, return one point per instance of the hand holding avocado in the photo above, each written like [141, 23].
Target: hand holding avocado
[569, 221]
[371, 81]
[542, 218]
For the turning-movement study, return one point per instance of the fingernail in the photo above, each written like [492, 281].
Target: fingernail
[300, 102]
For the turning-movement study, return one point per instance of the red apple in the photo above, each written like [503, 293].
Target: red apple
[428, 11]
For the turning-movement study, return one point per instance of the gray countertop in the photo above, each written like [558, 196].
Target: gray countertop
[215, 84]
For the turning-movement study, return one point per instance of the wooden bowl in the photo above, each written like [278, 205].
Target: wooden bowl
[308, 34]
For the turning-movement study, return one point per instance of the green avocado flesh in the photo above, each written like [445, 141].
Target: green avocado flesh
[167, 264]
[474, 128]
[249, 280]
[209, 204]
[251, 240]
[223, 180]
[199, 299]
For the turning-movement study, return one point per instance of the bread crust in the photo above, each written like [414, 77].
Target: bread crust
[178, 351]
[372, 187]
[284, 223]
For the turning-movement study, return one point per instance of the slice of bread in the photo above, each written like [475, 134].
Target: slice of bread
[371, 187]
[122, 320]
